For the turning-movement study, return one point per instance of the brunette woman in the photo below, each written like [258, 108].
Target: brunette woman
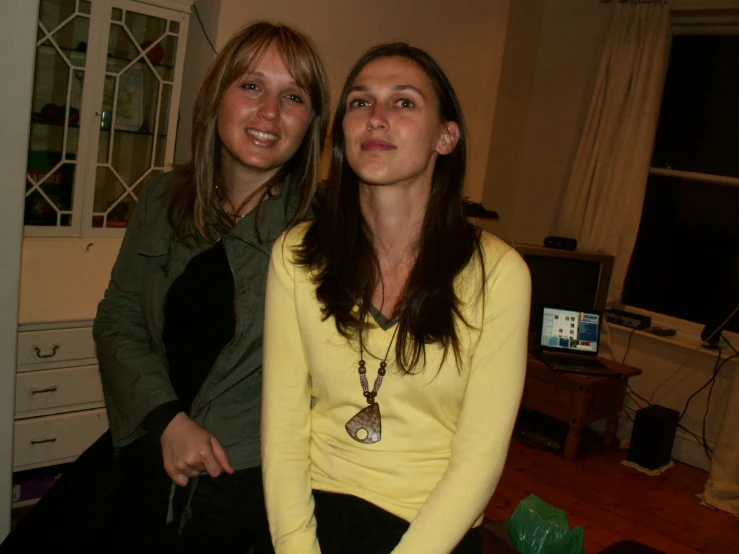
[395, 337]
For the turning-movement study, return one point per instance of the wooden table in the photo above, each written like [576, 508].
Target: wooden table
[577, 399]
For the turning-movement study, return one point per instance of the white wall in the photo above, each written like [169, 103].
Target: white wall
[466, 37]
[198, 57]
[17, 35]
[511, 113]
[551, 55]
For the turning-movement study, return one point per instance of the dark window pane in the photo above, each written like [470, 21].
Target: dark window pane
[686, 256]
[698, 128]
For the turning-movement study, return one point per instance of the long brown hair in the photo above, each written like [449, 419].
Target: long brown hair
[338, 246]
[196, 203]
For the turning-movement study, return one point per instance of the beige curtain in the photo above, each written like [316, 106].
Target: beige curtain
[722, 488]
[602, 202]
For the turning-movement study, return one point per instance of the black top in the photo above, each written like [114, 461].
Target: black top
[199, 322]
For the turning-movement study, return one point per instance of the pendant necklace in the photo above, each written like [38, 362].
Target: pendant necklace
[237, 215]
[234, 216]
[368, 420]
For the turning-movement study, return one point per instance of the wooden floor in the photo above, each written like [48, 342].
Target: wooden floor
[614, 502]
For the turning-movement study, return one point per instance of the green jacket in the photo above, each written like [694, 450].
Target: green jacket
[129, 324]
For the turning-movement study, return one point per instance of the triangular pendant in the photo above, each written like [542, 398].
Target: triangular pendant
[367, 420]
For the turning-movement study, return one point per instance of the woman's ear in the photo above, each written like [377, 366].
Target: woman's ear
[449, 138]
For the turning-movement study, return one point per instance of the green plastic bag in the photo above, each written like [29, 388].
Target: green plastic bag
[538, 528]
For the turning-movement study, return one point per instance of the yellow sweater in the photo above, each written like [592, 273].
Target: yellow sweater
[445, 435]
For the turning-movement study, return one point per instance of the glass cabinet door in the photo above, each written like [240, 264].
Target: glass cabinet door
[53, 191]
[105, 96]
[136, 131]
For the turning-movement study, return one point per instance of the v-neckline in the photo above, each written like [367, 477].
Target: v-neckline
[382, 321]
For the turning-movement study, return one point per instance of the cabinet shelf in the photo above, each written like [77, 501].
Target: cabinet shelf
[137, 133]
[141, 60]
[38, 119]
[80, 50]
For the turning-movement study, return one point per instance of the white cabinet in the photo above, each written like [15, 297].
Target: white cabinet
[55, 439]
[52, 391]
[59, 406]
[54, 346]
[104, 104]
[104, 111]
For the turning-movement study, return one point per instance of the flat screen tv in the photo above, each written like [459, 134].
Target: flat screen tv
[572, 279]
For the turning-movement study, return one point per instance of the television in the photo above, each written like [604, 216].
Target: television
[571, 279]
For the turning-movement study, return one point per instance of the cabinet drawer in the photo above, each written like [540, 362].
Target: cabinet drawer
[53, 346]
[42, 441]
[56, 390]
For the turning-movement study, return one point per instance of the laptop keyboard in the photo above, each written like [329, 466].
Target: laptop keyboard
[585, 365]
[581, 368]
[584, 370]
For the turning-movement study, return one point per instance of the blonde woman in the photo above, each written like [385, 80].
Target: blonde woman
[179, 332]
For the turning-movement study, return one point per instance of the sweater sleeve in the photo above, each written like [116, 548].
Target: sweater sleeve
[286, 401]
[487, 417]
[134, 374]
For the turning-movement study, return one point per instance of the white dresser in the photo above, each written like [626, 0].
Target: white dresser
[80, 156]
[59, 407]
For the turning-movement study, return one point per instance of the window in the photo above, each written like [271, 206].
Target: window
[686, 258]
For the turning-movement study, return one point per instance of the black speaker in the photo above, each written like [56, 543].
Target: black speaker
[560, 243]
[652, 436]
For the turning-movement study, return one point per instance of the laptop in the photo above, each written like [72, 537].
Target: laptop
[570, 341]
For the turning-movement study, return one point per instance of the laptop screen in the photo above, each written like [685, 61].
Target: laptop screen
[570, 331]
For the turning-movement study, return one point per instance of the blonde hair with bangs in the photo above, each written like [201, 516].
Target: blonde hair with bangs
[197, 202]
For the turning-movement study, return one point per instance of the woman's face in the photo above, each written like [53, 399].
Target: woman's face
[263, 118]
[392, 126]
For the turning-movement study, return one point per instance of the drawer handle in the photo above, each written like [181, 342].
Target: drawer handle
[42, 441]
[52, 388]
[40, 355]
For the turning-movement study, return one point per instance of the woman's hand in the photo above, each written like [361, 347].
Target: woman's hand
[188, 449]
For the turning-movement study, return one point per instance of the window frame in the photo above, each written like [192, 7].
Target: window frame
[695, 22]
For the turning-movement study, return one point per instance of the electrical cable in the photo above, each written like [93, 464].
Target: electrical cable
[636, 403]
[720, 328]
[701, 440]
[636, 398]
[628, 345]
[705, 416]
[696, 436]
[719, 364]
[632, 392]
[205, 34]
[713, 376]
[682, 365]
[729, 344]
[708, 400]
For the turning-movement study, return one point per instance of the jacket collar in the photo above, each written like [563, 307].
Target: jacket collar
[261, 227]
